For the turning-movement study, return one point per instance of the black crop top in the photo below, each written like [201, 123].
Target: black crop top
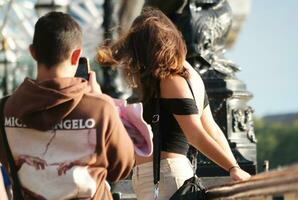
[172, 137]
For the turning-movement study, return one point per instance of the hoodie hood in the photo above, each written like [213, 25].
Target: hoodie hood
[46, 103]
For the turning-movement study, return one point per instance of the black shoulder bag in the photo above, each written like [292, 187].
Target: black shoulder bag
[17, 194]
[192, 188]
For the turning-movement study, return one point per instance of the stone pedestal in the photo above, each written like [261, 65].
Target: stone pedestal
[228, 101]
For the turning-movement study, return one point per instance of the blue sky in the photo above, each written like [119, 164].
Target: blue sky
[267, 52]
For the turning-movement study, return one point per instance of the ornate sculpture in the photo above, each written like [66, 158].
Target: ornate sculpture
[205, 25]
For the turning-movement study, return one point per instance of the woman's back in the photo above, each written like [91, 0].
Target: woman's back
[184, 101]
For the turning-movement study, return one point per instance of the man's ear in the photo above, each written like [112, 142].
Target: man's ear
[75, 56]
[32, 52]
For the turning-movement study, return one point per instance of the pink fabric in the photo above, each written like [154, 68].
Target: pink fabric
[139, 131]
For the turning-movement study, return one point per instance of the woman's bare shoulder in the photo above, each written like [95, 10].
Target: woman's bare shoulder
[174, 87]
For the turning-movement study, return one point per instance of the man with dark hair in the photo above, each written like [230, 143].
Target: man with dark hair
[66, 137]
[56, 34]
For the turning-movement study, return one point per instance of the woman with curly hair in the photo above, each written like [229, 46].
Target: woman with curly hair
[153, 54]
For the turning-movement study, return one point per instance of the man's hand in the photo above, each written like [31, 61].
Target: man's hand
[95, 88]
[36, 162]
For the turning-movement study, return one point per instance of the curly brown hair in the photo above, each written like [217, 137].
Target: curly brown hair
[153, 49]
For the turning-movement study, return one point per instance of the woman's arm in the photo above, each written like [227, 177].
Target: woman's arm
[215, 132]
[197, 136]
[195, 132]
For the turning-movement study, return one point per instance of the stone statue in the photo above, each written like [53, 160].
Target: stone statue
[205, 25]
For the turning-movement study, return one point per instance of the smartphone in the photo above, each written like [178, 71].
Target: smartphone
[83, 68]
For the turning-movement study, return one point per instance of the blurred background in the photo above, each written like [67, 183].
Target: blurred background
[267, 52]
[265, 49]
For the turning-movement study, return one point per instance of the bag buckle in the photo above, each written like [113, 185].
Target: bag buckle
[156, 190]
[155, 118]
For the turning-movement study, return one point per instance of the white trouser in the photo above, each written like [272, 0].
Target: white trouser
[173, 173]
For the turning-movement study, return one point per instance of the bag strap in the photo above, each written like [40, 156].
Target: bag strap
[156, 142]
[16, 182]
[193, 151]
[189, 85]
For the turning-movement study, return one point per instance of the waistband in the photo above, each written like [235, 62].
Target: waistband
[167, 164]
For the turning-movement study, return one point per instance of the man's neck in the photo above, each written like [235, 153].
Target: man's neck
[61, 70]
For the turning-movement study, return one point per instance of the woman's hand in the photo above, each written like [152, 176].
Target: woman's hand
[237, 174]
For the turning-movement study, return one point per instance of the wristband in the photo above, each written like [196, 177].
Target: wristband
[234, 166]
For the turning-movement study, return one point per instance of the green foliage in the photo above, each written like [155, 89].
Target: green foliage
[277, 142]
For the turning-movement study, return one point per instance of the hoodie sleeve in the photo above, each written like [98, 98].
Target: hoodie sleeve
[119, 148]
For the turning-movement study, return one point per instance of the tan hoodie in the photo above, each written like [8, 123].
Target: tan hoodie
[65, 141]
